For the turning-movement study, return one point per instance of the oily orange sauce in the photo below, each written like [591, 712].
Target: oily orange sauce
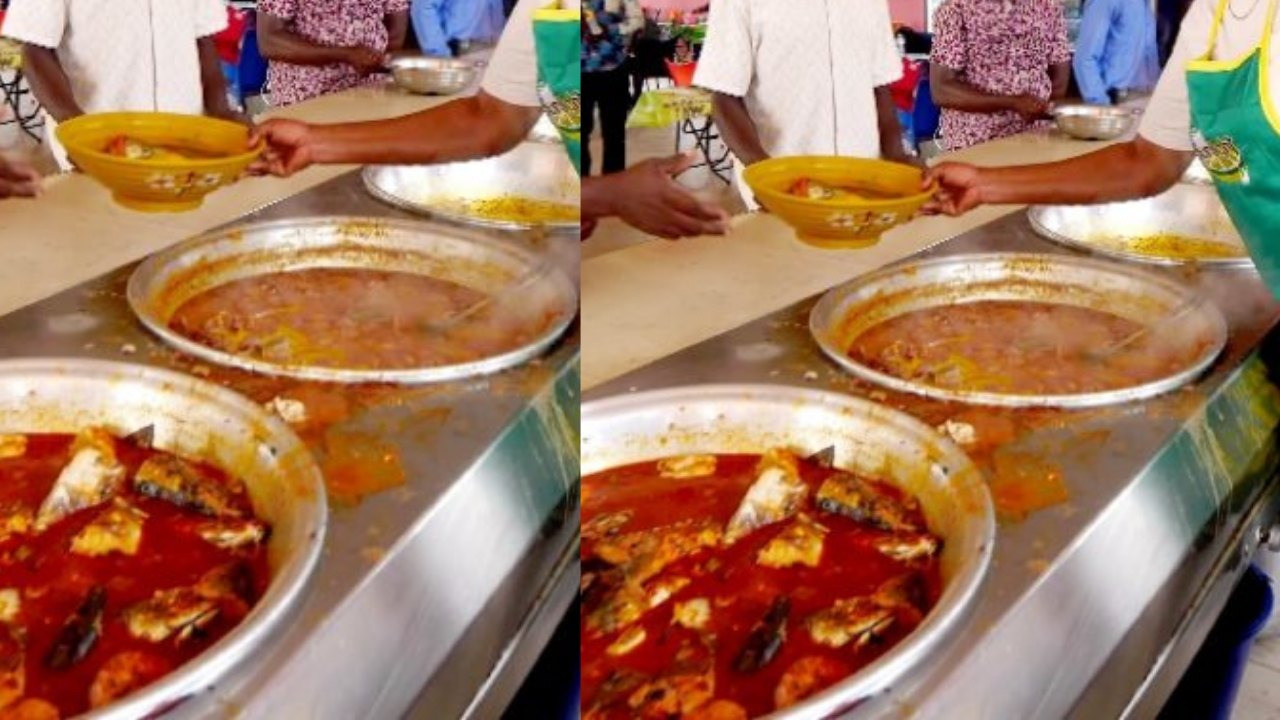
[53, 582]
[740, 590]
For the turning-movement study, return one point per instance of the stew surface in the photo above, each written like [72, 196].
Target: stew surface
[354, 318]
[723, 586]
[1019, 347]
[117, 565]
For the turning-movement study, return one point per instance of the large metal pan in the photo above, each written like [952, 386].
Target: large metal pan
[867, 437]
[199, 420]
[165, 281]
[846, 312]
[1116, 230]
[534, 170]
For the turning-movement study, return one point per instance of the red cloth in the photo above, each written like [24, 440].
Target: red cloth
[228, 41]
[904, 91]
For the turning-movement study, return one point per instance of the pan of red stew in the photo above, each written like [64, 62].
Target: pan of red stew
[752, 551]
[154, 530]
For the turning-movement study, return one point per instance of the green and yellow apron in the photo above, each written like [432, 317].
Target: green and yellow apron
[1236, 134]
[558, 39]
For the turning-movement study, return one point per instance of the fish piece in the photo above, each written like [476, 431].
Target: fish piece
[719, 710]
[766, 638]
[12, 446]
[629, 602]
[807, 677]
[692, 614]
[232, 534]
[907, 547]
[13, 667]
[176, 481]
[183, 611]
[93, 477]
[659, 591]
[687, 686]
[233, 581]
[80, 633]
[645, 553]
[776, 495]
[860, 618]
[629, 640]
[30, 709]
[10, 606]
[906, 595]
[606, 525]
[799, 544]
[614, 692]
[123, 674]
[15, 521]
[687, 466]
[118, 529]
[849, 495]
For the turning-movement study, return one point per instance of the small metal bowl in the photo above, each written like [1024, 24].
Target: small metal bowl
[1094, 122]
[433, 76]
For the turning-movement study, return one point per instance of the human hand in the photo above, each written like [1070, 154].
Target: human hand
[366, 61]
[18, 179]
[287, 149]
[1030, 107]
[649, 199]
[957, 189]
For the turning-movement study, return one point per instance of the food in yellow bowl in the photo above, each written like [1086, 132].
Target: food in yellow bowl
[158, 162]
[838, 202]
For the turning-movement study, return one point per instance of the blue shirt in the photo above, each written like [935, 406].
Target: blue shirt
[608, 27]
[1116, 49]
[436, 22]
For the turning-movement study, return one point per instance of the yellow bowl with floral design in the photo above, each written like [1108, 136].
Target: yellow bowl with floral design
[158, 162]
[838, 202]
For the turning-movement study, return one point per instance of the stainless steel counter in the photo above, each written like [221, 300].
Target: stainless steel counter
[432, 599]
[1094, 607]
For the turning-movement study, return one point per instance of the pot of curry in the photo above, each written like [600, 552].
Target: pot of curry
[769, 551]
[348, 299]
[155, 530]
[1020, 330]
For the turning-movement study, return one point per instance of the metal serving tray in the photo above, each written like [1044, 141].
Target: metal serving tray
[170, 278]
[847, 312]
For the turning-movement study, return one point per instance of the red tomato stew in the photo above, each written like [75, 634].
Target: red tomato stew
[728, 586]
[118, 563]
[1017, 347]
[356, 318]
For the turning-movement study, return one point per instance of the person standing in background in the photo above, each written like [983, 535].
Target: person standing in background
[997, 66]
[87, 56]
[445, 28]
[318, 47]
[1116, 53]
[609, 27]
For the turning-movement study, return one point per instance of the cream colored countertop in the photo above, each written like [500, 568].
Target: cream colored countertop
[647, 301]
[74, 232]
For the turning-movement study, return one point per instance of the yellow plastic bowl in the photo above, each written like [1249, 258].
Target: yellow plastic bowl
[159, 185]
[845, 223]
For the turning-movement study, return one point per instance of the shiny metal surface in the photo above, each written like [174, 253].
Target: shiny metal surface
[197, 420]
[1089, 600]
[167, 280]
[844, 313]
[868, 439]
[1189, 210]
[425, 592]
[433, 76]
[533, 170]
[1094, 122]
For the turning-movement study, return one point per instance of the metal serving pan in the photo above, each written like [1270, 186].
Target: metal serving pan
[1095, 122]
[1186, 209]
[847, 311]
[537, 170]
[199, 420]
[165, 281]
[868, 438]
[433, 76]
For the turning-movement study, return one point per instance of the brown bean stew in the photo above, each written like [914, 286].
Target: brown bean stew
[118, 564]
[722, 586]
[356, 318]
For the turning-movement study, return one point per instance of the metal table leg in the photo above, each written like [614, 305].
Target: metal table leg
[13, 92]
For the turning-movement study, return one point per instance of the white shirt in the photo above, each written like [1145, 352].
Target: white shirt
[122, 54]
[806, 69]
[512, 75]
[1167, 120]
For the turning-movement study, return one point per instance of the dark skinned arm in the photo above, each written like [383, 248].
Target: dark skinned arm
[737, 129]
[647, 197]
[890, 129]
[278, 43]
[213, 83]
[49, 82]
[1126, 171]
[1060, 76]
[397, 30]
[950, 92]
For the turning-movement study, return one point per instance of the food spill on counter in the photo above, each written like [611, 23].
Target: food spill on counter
[752, 581]
[356, 465]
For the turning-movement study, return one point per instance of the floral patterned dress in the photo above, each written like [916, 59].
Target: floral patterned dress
[1001, 47]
